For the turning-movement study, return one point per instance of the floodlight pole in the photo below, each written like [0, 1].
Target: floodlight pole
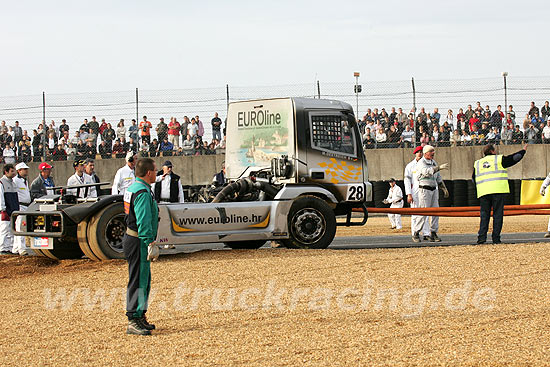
[356, 75]
[504, 75]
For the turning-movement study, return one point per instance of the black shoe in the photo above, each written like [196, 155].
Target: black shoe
[434, 237]
[480, 242]
[497, 242]
[416, 237]
[136, 327]
[6, 253]
[147, 325]
[426, 238]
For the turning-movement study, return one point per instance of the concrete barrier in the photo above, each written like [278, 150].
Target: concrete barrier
[383, 164]
[197, 170]
[534, 163]
[387, 163]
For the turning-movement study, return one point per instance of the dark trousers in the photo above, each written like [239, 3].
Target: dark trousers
[496, 202]
[139, 282]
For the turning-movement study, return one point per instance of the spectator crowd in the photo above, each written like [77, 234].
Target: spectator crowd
[94, 138]
[379, 129]
[472, 126]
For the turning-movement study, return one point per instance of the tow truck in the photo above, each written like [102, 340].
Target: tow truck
[294, 165]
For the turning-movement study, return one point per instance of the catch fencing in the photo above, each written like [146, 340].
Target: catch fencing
[30, 110]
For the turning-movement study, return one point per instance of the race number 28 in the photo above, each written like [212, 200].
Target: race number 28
[356, 193]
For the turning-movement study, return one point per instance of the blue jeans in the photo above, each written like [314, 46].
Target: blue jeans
[217, 134]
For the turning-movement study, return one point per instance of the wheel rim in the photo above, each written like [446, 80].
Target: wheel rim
[308, 225]
[116, 227]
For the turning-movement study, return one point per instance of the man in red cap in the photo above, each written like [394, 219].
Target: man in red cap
[42, 184]
[411, 189]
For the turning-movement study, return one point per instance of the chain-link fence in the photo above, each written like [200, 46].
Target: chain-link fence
[32, 110]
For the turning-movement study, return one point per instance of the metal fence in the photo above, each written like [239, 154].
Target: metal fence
[30, 110]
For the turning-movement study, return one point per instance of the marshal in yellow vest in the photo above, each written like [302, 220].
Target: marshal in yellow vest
[491, 177]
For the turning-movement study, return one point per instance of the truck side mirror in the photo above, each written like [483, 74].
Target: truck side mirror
[281, 167]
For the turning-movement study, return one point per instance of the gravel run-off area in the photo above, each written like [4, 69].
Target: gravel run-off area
[460, 305]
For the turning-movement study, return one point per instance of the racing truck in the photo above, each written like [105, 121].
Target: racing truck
[295, 170]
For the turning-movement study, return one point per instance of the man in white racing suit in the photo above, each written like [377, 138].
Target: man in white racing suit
[125, 176]
[21, 181]
[395, 198]
[429, 178]
[411, 190]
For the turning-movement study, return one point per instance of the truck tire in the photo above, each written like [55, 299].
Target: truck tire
[245, 245]
[82, 236]
[311, 224]
[38, 252]
[105, 231]
[63, 250]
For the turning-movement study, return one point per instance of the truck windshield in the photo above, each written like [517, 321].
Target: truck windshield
[332, 133]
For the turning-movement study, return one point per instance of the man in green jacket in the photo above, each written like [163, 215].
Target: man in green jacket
[139, 246]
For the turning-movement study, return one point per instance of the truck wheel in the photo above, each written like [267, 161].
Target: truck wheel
[105, 232]
[38, 252]
[311, 224]
[245, 245]
[82, 235]
[63, 250]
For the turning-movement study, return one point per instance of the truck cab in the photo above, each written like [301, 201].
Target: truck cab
[316, 141]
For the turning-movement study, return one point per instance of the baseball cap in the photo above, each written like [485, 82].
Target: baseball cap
[417, 149]
[21, 165]
[42, 166]
[167, 164]
[78, 163]
[392, 179]
[130, 156]
[428, 148]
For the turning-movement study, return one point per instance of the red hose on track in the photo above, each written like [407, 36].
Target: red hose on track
[476, 214]
[464, 211]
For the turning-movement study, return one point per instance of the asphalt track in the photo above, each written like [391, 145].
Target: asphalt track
[377, 242]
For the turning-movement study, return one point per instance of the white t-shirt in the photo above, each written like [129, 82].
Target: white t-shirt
[407, 135]
[124, 177]
[395, 197]
[9, 155]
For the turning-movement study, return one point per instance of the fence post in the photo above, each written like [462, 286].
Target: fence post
[44, 124]
[504, 75]
[318, 90]
[227, 97]
[414, 107]
[137, 105]
[137, 118]
[44, 107]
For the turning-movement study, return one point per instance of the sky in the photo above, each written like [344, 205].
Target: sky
[80, 46]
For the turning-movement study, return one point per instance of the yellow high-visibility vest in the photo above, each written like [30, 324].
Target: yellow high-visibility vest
[491, 177]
